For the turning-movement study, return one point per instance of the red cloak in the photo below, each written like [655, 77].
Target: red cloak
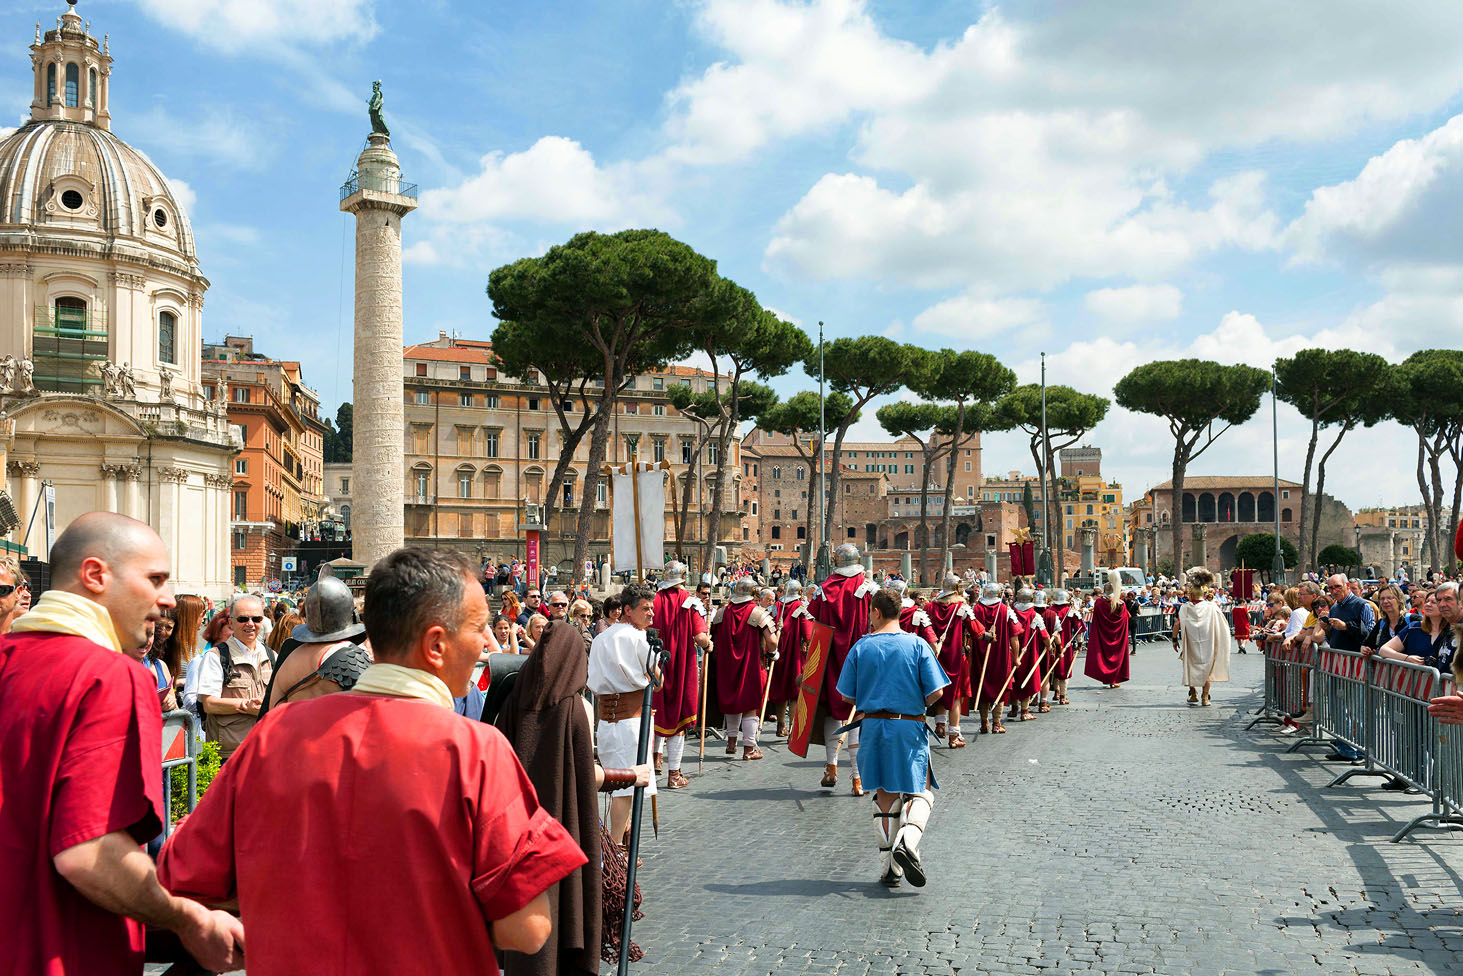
[1001, 620]
[795, 624]
[1026, 682]
[1241, 613]
[957, 631]
[1070, 621]
[1107, 643]
[679, 617]
[843, 604]
[913, 620]
[740, 677]
[1053, 629]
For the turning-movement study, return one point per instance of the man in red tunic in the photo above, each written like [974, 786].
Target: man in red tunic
[956, 633]
[991, 668]
[1069, 628]
[680, 618]
[1107, 639]
[1026, 678]
[744, 634]
[79, 771]
[794, 626]
[843, 604]
[1053, 650]
[412, 841]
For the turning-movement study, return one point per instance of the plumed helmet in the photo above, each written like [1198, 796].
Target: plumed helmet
[792, 588]
[674, 574]
[330, 612]
[990, 593]
[1061, 598]
[746, 588]
[846, 555]
[897, 585]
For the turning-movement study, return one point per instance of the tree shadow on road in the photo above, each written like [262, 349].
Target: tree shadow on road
[805, 888]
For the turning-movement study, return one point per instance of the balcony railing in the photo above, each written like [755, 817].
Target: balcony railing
[378, 184]
[65, 346]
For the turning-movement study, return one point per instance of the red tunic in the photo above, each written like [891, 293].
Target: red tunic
[333, 803]
[1241, 613]
[1026, 682]
[1107, 643]
[794, 623]
[740, 677]
[913, 620]
[843, 605]
[1000, 619]
[82, 757]
[956, 632]
[679, 617]
[1053, 628]
[1072, 628]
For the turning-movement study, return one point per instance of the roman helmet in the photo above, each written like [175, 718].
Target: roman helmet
[846, 555]
[745, 589]
[673, 575]
[990, 594]
[330, 612]
[792, 589]
[1040, 599]
[1060, 598]
[897, 585]
[1025, 597]
[949, 586]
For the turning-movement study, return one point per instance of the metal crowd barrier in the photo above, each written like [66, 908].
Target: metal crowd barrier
[180, 748]
[1379, 706]
[1152, 624]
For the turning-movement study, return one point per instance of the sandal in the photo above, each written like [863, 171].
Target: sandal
[1026, 715]
[939, 730]
[781, 731]
[659, 764]
[751, 754]
[830, 776]
[957, 741]
[1044, 707]
[677, 780]
[998, 728]
[1064, 700]
[985, 727]
[731, 747]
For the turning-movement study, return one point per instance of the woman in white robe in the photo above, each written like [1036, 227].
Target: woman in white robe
[1201, 636]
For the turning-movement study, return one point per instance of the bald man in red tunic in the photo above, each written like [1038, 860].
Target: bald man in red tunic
[995, 659]
[842, 603]
[1070, 628]
[743, 633]
[1026, 679]
[794, 627]
[956, 638]
[681, 621]
[1049, 660]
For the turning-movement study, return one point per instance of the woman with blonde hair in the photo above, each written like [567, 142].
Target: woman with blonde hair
[1201, 636]
[282, 630]
[183, 644]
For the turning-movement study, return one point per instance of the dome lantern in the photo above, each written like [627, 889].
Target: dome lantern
[72, 71]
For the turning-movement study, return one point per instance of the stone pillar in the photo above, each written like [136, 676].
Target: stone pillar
[868, 564]
[1201, 556]
[1140, 549]
[949, 562]
[1087, 536]
[990, 563]
[765, 567]
[906, 565]
[25, 476]
[377, 519]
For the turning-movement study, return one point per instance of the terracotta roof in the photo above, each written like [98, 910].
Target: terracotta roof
[456, 354]
[1202, 482]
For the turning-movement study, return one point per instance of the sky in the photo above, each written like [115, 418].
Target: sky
[1105, 183]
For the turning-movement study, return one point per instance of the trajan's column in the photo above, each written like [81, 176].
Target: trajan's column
[378, 198]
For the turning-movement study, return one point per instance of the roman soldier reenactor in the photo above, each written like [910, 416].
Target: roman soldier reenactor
[681, 620]
[744, 634]
[793, 624]
[1071, 629]
[1026, 675]
[991, 667]
[842, 603]
[957, 634]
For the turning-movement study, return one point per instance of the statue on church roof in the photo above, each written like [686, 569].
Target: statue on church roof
[378, 122]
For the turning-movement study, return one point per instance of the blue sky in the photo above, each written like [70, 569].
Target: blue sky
[1108, 183]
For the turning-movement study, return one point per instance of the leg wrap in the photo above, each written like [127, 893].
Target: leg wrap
[732, 721]
[886, 825]
[749, 730]
[659, 746]
[674, 750]
[831, 742]
[916, 814]
[853, 752]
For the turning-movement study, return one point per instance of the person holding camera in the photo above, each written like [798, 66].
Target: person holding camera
[621, 665]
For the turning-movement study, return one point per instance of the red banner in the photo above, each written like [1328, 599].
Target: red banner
[530, 556]
[1023, 559]
[1241, 584]
[820, 641]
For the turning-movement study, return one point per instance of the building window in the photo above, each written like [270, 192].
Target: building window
[464, 372]
[685, 452]
[658, 410]
[464, 484]
[533, 446]
[657, 449]
[777, 532]
[600, 493]
[241, 466]
[241, 539]
[776, 471]
[73, 86]
[754, 508]
[464, 399]
[568, 494]
[802, 532]
[777, 514]
[423, 398]
[241, 506]
[711, 453]
[533, 403]
[802, 472]
[51, 84]
[657, 383]
[91, 87]
[421, 369]
[240, 394]
[490, 444]
[167, 337]
[851, 534]
[421, 480]
[1285, 515]
[345, 486]
[967, 465]
[491, 401]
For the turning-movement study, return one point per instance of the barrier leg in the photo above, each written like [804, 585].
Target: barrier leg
[1438, 820]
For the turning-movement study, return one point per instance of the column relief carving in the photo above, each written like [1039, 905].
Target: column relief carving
[171, 474]
[23, 469]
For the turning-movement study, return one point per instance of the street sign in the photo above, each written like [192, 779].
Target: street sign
[50, 495]
[288, 564]
[175, 739]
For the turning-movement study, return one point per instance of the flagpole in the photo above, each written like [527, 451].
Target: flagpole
[823, 566]
[1046, 512]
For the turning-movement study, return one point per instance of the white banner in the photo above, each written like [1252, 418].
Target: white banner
[651, 504]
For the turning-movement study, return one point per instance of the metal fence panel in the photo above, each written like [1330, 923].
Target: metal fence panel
[180, 748]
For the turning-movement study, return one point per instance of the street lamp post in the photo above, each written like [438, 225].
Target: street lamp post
[1277, 564]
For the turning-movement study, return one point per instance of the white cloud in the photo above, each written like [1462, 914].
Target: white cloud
[235, 25]
[1135, 304]
[183, 194]
[972, 317]
[216, 135]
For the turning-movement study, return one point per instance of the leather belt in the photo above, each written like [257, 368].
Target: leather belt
[895, 715]
[618, 708]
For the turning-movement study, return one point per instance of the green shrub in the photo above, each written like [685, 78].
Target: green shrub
[209, 761]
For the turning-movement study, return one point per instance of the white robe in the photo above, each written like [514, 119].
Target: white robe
[1204, 643]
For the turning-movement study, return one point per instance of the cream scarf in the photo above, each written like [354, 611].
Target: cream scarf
[400, 682]
[60, 612]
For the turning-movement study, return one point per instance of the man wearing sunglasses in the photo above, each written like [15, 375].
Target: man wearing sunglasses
[10, 595]
[235, 675]
[558, 605]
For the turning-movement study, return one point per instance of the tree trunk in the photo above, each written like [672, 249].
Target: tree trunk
[1320, 496]
[1057, 528]
[828, 516]
[1180, 463]
[1428, 540]
[597, 440]
[1307, 552]
[1440, 546]
[946, 514]
[928, 455]
[1455, 451]
[723, 439]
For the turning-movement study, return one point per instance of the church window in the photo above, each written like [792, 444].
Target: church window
[73, 83]
[72, 200]
[51, 84]
[167, 337]
[160, 217]
[91, 87]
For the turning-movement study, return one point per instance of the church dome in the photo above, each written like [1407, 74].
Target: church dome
[78, 181]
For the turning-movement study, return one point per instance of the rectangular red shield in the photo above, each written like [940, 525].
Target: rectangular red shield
[820, 643]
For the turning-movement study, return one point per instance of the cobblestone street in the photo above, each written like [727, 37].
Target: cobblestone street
[1125, 833]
